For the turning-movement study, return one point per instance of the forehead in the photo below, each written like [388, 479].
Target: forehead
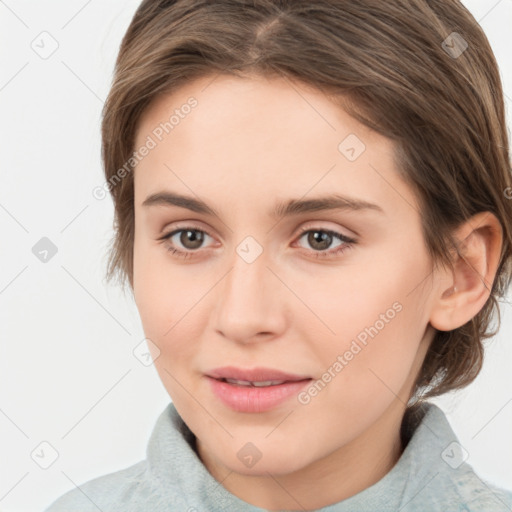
[260, 105]
[263, 134]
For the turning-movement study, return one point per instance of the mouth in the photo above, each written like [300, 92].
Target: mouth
[254, 390]
[254, 375]
[256, 384]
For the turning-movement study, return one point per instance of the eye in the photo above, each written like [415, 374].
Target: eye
[190, 237]
[321, 239]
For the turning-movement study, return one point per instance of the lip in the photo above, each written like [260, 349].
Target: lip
[254, 374]
[254, 399]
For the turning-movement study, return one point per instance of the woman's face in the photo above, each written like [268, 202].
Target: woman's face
[268, 276]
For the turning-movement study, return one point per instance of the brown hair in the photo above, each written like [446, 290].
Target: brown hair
[398, 68]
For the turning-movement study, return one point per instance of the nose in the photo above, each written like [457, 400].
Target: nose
[250, 302]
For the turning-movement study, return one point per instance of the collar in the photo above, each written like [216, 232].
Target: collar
[426, 434]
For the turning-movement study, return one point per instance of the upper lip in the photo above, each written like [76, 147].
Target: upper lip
[258, 374]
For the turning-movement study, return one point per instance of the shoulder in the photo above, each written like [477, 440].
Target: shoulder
[477, 494]
[113, 491]
[160, 481]
[438, 476]
[466, 492]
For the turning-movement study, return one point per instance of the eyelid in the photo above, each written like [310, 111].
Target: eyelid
[183, 225]
[317, 225]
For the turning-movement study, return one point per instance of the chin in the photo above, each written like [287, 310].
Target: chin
[271, 461]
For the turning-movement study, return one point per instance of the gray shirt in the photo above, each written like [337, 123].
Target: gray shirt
[430, 475]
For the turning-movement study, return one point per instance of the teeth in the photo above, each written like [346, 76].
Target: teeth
[255, 384]
[267, 383]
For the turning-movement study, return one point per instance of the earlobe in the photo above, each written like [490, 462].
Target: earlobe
[463, 292]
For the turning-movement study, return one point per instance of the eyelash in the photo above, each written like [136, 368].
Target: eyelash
[348, 242]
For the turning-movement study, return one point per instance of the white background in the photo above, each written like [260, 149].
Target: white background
[67, 372]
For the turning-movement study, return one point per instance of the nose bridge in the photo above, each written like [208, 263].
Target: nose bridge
[247, 303]
[245, 283]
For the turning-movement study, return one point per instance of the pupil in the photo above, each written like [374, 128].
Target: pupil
[322, 238]
[191, 239]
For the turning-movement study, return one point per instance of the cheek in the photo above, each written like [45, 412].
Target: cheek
[154, 297]
[376, 323]
[362, 379]
[349, 301]
[168, 301]
[156, 287]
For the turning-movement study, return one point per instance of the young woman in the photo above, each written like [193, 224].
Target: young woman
[313, 211]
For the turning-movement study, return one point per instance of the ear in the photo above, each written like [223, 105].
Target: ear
[463, 292]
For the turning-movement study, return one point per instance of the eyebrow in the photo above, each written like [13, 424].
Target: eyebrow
[282, 209]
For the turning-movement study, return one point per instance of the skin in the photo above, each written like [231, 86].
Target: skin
[248, 144]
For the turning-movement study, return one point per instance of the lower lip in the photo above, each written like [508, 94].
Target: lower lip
[254, 399]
